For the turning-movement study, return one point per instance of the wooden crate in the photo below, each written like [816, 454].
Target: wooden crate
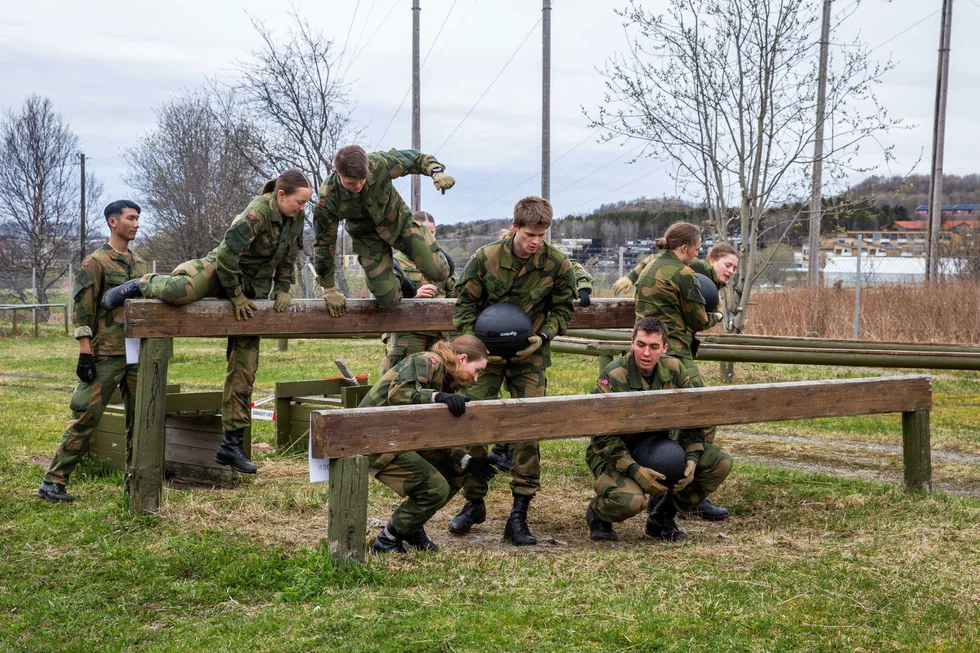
[193, 432]
[295, 400]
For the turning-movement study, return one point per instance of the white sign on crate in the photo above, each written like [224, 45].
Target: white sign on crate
[319, 467]
[263, 414]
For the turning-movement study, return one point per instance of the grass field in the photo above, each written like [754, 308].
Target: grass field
[809, 561]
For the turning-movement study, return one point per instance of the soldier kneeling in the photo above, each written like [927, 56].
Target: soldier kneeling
[426, 479]
[622, 485]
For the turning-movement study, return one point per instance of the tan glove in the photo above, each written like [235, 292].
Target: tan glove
[533, 344]
[442, 181]
[495, 360]
[648, 479]
[336, 302]
[688, 476]
[244, 308]
[622, 286]
[280, 300]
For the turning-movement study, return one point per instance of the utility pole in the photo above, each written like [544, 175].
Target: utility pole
[81, 231]
[816, 194]
[416, 105]
[938, 142]
[546, 103]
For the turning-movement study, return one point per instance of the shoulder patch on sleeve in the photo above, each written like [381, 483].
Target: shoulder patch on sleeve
[251, 217]
[603, 381]
[433, 360]
[85, 264]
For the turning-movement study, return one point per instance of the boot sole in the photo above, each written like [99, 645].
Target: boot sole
[232, 465]
[48, 497]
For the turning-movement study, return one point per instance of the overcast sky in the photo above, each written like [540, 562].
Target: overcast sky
[106, 64]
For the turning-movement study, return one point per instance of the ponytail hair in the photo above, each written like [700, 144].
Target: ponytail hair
[288, 182]
[472, 346]
[678, 234]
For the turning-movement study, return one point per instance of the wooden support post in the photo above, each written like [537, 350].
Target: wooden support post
[917, 450]
[283, 344]
[148, 464]
[66, 319]
[284, 407]
[347, 508]
[727, 371]
[603, 361]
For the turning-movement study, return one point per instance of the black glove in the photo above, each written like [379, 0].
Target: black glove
[583, 296]
[481, 468]
[85, 370]
[695, 344]
[456, 403]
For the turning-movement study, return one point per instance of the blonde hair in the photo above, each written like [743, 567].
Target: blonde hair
[472, 346]
[534, 212]
[720, 250]
[679, 234]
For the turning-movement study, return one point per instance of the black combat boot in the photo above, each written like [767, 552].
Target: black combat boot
[500, 457]
[516, 532]
[473, 512]
[709, 511]
[54, 492]
[599, 529]
[230, 453]
[118, 295]
[388, 541]
[409, 289]
[420, 540]
[660, 520]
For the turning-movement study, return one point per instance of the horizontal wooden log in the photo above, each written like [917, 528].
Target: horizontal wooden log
[411, 428]
[215, 318]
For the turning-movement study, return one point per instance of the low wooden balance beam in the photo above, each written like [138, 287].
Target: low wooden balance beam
[157, 324]
[345, 436]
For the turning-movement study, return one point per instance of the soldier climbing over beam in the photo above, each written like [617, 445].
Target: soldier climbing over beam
[102, 347]
[256, 257]
[360, 193]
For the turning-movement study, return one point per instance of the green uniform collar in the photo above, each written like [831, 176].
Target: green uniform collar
[509, 260]
[116, 256]
[274, 206]
[635, 379]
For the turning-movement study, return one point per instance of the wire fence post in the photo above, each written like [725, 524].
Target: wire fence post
[621, 251]
[857, 289]
[70, 302]
[34, 298]
[154, 270]
[306, 276]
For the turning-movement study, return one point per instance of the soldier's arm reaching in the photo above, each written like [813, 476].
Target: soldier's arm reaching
[562, 296]
[691, 439]
[325, 224]
[239, 236]
[691, 302]
[285, 275]
[399, 163]
[470, 292]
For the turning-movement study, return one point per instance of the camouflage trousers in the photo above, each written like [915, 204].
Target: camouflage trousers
[371, 244]
[618, 497]
[196, 280]
[88, 403]
[400, 346]
[526, 475]
[694, 373]
[426, 479]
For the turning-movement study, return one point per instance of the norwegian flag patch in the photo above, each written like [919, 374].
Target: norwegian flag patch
[603, 381]
[433, 360]
[251, 217]
[85, 264]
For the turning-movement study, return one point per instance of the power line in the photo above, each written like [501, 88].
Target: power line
[913, 25]
[629, 183]
[602, 167]
[349, 28]
[373, 34]
[424, 59]
[479, 99]
[367, 19]
[450, 37]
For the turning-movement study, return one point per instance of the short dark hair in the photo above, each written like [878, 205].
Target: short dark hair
[115, 209]
[351, 161]
[651, 325]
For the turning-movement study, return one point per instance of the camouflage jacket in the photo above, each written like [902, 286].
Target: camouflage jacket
[697, 265]
[669, 291]
[378, 203]
[621, 375]
[443, 289]
[102, 270]
[583, 280]
[259, 250]
[544, 286]
[412, 381]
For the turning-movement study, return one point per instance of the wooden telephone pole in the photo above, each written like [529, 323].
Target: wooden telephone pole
[416, 105]
[938, 143]
[816, 194]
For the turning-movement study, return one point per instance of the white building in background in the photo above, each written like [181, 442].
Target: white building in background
[881, 270]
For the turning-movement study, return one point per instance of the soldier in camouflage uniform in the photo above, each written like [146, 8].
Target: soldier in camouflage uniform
[583, 283]
[400, 345]
[521, 269]
[627, 282]
[102, 347]
[426, 479]
[669, 291]
[257, 256]
[360, 193]
[621, 483]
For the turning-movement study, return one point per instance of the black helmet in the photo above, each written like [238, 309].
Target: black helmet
[504, 329]
[661, 454]
[709, 291]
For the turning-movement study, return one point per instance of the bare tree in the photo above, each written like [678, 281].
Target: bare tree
[725, 90]
[292, 97]
[39, 197]
[191, 174]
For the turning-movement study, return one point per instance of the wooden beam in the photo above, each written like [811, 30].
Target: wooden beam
[411, 428]
[215, 318]
[148, 466]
